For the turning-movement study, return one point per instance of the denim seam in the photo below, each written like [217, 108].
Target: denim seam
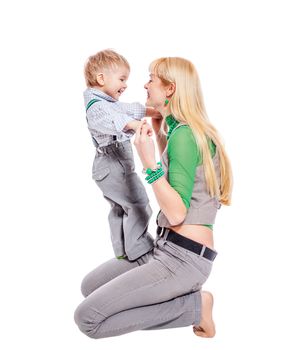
[163, 319]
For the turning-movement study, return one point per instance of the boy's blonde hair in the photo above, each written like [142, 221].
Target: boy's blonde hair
[187, 106]
[102, 60]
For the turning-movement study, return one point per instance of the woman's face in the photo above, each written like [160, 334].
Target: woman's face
[156, 92]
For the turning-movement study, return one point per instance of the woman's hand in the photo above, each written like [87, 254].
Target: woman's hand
[147, 127]
[145, 145]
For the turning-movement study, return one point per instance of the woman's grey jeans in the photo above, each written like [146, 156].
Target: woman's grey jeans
[159, 290]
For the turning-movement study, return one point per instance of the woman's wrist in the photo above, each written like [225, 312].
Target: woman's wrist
[154, 173]
[150, 169]
[155, 176]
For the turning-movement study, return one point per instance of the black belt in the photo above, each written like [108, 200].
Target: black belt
[113, 147]
[187, 243]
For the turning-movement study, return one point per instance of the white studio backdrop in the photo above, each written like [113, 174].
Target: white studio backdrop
[54, 225]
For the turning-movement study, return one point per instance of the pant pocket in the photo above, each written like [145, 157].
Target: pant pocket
[101, 173]
[168, 260]
[203, 265]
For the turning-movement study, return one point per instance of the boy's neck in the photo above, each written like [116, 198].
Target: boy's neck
[99, 88]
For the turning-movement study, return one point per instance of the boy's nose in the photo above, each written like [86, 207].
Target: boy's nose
[146, 86]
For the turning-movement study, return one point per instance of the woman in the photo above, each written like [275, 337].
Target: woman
[163, 288]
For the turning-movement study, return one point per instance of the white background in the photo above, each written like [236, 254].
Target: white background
[53, 218]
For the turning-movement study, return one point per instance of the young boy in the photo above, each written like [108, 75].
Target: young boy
[111, 124]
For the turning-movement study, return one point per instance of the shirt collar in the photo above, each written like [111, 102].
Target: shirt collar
[101, 94]
[172, 123]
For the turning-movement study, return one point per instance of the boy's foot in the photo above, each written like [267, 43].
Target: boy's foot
[206, 327]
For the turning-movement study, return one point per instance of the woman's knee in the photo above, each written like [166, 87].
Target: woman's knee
[88, 320]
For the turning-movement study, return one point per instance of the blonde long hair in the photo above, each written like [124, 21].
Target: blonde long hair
[187, 106]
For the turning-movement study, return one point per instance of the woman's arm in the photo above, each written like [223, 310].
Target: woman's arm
[169, 201]
[168, 198]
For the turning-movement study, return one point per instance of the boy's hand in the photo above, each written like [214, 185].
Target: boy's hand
[135, 124]
[153, 113]
[147, 128]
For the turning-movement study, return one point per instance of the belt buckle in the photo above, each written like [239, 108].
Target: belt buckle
[160, 231]
[163, 231]
[201, 254]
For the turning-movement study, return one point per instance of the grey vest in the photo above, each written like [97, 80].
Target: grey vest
[203, 208]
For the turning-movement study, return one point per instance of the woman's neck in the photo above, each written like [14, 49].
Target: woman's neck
[164, 111]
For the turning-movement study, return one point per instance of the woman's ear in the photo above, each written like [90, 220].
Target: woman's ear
[171, 88]
[100, 79]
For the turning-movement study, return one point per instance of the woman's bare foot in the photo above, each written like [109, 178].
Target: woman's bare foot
[206, 327]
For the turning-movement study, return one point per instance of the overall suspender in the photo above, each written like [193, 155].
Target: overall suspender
[91, 103]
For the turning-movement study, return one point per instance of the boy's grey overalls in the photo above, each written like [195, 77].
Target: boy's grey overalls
[114, 173]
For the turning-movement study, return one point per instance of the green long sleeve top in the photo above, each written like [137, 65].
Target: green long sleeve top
[184, 158]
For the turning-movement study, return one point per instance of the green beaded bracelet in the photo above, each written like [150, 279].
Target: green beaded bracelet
[149, 171]
[154, 173]
[156, 177]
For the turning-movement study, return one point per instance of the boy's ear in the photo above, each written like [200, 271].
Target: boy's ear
[100, 79]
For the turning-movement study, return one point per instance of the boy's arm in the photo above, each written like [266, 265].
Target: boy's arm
[113, 118]
[132, 125]
[135, 124]
[138, 111]
[135, 109]
[107, 118]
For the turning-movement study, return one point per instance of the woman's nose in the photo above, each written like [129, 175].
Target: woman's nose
[146, 86]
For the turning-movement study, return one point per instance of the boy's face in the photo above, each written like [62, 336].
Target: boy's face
[114, 81]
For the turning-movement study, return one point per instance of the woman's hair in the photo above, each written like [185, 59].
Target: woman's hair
[187, 106]
[102, 60]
